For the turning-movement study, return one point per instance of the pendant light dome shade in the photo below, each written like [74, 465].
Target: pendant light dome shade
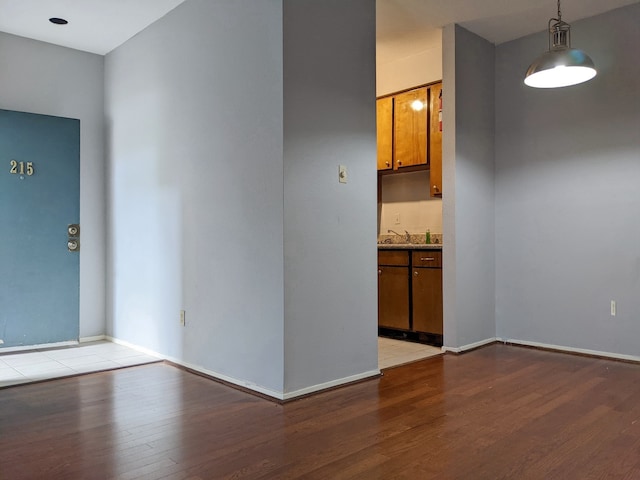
[562, 65]
[560, 68]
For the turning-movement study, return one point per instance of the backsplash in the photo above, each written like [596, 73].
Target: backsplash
[436, 238]
[406, 205]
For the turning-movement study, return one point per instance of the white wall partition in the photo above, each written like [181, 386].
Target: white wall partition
[330, 228]
[468, 189]
[194, 105]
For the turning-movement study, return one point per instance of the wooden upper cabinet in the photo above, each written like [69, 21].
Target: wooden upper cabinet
[384, 123]
[410, 128]
[435, 139]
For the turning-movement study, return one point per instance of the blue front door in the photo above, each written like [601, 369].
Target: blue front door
[39, 198]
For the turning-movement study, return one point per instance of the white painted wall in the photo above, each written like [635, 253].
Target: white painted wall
[408, 61]
[468, 189]
[407, 195]
[567, 197]
[41, 78]
[194, 107]
[329, 228]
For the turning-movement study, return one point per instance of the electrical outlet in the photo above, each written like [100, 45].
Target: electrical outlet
[183, 321]
[613, 308]
[1, 341]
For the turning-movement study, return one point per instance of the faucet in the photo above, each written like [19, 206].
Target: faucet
[407, 235]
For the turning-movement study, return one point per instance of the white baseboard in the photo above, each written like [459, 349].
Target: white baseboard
[38, 347]
[95, 338]
[69, 343]
[210, 373]
[470, 346]
[140, 349]
[249, 385]
[331, 384]
[562, 348]
[225, 378]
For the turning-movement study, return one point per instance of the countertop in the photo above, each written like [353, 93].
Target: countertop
[409, 246]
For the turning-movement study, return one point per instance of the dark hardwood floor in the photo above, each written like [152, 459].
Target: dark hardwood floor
[499, 412]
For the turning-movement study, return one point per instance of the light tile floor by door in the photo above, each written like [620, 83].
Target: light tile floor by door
[45, 364]
[392, 353]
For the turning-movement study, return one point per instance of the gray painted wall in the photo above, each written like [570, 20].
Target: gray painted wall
[41, 78]
[567, 195]
[194, 106]
[223, 205]
[468, 193]
[330, 229]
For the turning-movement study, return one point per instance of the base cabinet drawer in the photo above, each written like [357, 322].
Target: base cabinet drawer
[398, 258]
[427, 258]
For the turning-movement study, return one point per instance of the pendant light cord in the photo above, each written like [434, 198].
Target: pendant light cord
[559, 13]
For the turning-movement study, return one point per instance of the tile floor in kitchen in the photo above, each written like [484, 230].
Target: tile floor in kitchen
[392, 353]
[45, 364]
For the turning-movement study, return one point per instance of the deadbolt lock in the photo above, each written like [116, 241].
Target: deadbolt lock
[73, 230]
[73, 245]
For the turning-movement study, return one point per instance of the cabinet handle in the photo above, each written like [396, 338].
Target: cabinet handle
[427, 259]
[379, 272]
[415, 273]
[387, 163]
[399, 162]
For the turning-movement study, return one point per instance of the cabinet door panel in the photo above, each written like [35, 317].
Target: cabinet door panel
[435, 140]
[427, 300]
[384, 129]
[393, 297]
[410, 128]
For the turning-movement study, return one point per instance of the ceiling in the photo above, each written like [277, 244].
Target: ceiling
[99, 26]
[409, 26]
[96, 26]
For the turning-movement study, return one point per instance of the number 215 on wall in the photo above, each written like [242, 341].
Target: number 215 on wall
[21, 168]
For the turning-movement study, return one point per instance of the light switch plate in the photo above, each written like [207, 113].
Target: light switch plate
[342, 174]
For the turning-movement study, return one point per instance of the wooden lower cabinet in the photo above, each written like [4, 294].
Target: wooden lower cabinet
[393, 289]
[410, 291]
[426, 291]
[427, 300]
[393, 297]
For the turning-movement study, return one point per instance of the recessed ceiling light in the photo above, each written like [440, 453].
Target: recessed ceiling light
[58, 21]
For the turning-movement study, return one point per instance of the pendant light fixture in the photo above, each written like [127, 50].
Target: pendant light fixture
[562, 65]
